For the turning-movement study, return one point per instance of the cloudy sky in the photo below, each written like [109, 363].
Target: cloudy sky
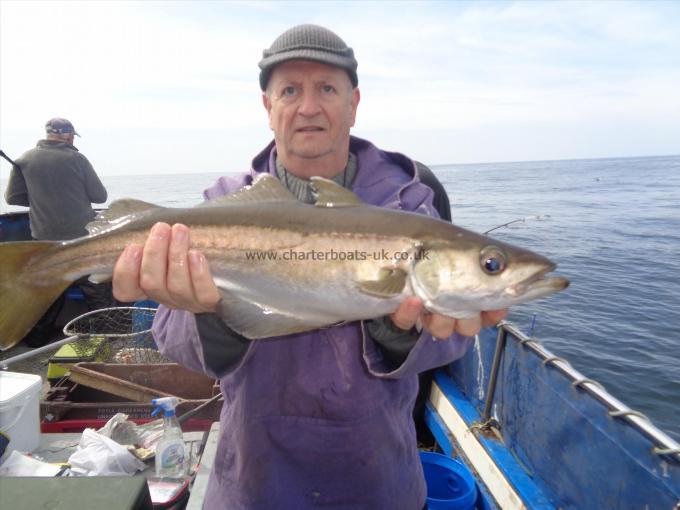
[171, 87]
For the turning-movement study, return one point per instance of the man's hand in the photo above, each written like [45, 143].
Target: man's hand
[440, 326]
[167, 271]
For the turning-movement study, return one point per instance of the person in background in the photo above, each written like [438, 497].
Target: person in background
[321, 418]
[58, 185]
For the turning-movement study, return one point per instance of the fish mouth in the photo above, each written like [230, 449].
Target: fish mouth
[539, 284]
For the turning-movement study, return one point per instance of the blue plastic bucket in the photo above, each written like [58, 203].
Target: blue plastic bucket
[450, 485]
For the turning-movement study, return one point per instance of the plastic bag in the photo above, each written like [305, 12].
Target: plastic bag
[99, 455]
[123, 431]
[18, 464]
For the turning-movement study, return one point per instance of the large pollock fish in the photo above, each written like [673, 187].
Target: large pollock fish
[283, 266]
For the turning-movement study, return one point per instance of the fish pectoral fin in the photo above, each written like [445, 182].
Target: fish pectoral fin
[256, 320]
[328, 193]
[265, 188]
[118, 214]
[390, 284]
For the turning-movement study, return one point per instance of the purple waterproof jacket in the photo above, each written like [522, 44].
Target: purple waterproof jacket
[317, 419]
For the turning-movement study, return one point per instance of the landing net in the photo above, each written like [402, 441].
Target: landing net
[115, 335]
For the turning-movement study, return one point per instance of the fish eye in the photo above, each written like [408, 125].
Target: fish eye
[492, 260]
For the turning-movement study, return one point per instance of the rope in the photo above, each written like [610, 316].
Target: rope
[553, 359]
[585, 380]
[629, 412]
[525, 341]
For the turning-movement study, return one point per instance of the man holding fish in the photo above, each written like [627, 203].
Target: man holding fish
[321, 417]
[315, 414]
[317, 356]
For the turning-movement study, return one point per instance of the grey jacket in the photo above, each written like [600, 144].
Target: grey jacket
[59, 185]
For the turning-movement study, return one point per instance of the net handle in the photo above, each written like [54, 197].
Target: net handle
[4, 364]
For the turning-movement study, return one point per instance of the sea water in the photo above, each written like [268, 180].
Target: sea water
[613, 228]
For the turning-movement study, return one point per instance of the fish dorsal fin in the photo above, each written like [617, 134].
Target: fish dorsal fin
[330, 194]
[265, 188]
[119, 213]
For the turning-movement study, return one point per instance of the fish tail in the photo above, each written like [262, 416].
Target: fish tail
[23, 300]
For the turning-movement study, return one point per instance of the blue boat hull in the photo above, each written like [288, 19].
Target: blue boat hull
[552, 442]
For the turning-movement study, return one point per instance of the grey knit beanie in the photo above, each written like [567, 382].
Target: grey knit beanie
[308, 42]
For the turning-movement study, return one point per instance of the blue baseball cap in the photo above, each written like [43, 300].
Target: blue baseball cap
[59, 126]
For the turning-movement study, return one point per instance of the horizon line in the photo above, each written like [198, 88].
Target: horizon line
[431, 165]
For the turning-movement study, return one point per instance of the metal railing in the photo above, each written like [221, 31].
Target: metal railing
[664, 444]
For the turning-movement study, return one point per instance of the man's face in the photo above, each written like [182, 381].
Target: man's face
[311, 107]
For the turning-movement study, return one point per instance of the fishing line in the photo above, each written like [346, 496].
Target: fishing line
[518, 220]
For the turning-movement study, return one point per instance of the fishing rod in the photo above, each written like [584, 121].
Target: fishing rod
[518, 220]
[5, 156]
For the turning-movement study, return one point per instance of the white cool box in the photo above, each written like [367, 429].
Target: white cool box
[19, 410]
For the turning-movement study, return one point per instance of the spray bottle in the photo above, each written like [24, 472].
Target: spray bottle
[170, 448]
